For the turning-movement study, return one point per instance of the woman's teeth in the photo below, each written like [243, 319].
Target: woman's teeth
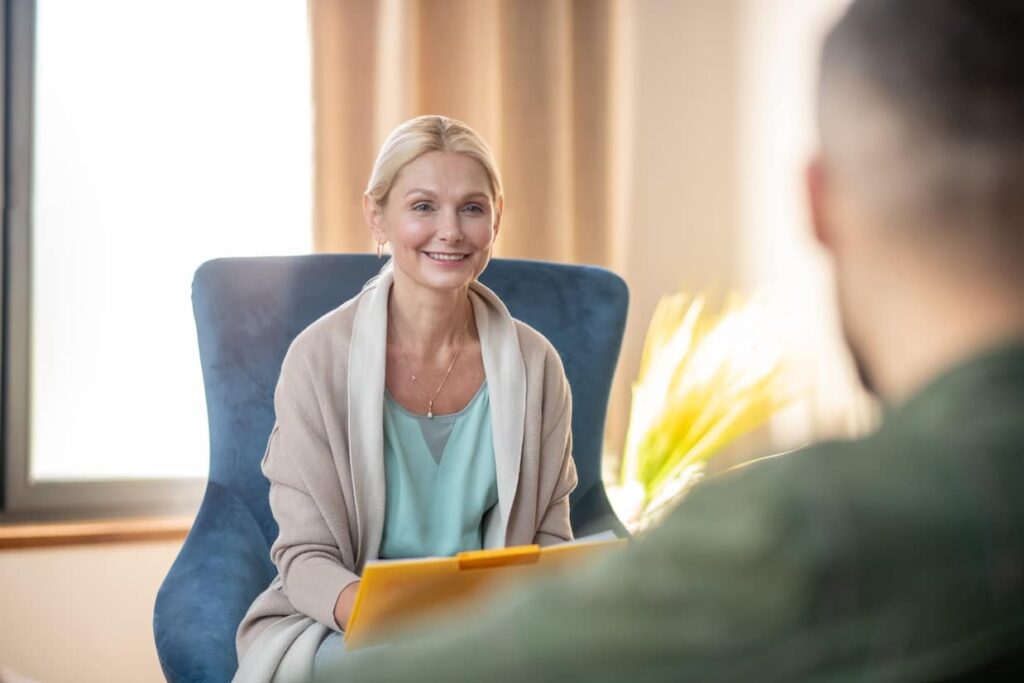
[446, 257]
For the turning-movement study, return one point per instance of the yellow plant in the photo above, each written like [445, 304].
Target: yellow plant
[704, 381]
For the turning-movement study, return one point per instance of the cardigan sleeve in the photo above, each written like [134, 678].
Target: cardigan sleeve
[313, 556]
[554, 524]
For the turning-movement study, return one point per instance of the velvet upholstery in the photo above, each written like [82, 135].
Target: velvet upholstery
[247, 312]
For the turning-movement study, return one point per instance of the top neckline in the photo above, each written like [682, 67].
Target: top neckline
[423, 416]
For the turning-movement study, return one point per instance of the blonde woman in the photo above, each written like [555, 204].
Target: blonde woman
[417, 419]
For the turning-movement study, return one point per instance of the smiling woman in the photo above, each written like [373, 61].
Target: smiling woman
[448, 423]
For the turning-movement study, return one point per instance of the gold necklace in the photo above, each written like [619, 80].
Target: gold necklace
[458, 350]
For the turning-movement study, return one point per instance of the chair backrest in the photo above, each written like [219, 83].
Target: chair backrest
[248, 310]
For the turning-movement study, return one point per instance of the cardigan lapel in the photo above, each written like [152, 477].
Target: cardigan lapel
[506, 382]
[366, 367]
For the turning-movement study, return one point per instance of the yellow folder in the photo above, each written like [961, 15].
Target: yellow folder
[396, 591]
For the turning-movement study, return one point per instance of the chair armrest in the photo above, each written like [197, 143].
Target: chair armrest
[223, 565]
[591, 513]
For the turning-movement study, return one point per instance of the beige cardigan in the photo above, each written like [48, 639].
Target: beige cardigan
[325, 460]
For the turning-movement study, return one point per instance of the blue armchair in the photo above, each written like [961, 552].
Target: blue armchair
[247, 312]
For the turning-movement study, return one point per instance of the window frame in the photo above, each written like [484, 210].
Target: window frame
[22, 499]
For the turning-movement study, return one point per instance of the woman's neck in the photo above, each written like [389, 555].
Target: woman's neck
[427, 322]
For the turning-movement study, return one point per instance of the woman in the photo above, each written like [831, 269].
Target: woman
[417, 419]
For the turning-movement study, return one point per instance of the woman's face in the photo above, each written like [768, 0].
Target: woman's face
[439, 219]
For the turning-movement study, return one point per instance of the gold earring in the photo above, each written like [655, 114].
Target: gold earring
[380, 249]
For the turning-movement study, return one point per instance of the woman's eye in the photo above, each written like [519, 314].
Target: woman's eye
[422, 206]
[474, 208]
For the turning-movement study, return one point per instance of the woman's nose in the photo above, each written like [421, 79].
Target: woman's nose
[450, 229]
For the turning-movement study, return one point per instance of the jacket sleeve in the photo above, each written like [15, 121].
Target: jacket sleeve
[314, 557]
[554, 525]
[697, 599]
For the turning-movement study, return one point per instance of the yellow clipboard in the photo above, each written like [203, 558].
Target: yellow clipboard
[394, 592]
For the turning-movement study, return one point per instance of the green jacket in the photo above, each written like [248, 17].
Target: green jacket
[898, 557]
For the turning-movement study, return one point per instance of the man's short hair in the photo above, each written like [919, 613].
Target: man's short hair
[946, 79]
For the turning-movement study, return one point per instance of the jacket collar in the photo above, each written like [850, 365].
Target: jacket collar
[992, 380]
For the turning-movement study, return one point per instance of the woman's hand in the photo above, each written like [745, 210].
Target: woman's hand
[346, 600]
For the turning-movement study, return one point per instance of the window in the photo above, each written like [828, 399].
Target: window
[143, 139]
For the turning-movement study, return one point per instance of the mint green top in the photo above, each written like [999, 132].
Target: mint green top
[440, 479]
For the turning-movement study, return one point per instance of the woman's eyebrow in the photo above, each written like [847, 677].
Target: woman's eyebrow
[466, 197]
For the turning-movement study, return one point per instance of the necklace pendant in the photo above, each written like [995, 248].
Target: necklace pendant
[458, 350]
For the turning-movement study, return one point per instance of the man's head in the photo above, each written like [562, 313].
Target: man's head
[918, 190]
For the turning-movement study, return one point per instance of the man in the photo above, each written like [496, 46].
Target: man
[899, 557]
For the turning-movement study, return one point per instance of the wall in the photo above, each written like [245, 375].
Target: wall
[680, 209]
[717, 134]
[83, 613]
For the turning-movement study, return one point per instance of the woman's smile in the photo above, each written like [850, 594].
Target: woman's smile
[446, 259]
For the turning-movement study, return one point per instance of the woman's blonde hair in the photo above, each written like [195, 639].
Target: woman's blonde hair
[430, 133]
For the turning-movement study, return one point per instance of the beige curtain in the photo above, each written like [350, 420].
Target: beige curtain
[660, 138]
[534, 77]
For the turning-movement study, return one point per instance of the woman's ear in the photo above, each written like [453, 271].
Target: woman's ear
[373, 215]
[499, 207]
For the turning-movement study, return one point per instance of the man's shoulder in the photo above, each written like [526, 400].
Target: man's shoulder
[781, 477]
[844, 463]
[908, 495]
[794, 500]
[846, 474]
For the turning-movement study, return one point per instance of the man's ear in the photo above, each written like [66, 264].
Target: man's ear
[373, 218]
[816, 180]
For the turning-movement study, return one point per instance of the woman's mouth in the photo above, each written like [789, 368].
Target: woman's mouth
[441, 257]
